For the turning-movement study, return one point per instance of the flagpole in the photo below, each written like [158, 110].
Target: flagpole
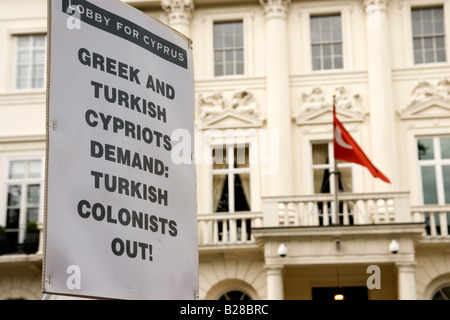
[336, 173]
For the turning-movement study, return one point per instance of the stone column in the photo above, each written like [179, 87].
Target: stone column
[383, 151]
[278, 102]
[275, 287]
[406, 281]
[180, 14]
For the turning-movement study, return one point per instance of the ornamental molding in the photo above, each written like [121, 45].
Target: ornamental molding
[316, 109]
[241, 111]
[428, 101]
[275, 8]
[178, 9]
[370, 5]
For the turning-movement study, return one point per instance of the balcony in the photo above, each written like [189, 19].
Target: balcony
[231, 229]
[11, 247]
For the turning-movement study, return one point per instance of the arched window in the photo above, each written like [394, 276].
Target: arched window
[235, 295]
[442, 294]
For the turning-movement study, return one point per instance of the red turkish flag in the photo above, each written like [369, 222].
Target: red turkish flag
[346, 149]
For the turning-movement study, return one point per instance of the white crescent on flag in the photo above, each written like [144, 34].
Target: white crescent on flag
[339, 140]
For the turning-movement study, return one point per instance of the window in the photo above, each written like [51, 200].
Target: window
[228, 48]
[231, 190]
[23, 186]
[326, 42]
[30, 62]
[231, 179]
[442, 294]
[235, 295]
[434, 163]
[428, 35]
[323, 166]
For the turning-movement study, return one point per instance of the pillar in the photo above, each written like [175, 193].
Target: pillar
[275, 287]
[180, 14]
[381, 102]
[278, 101]
[406, 281]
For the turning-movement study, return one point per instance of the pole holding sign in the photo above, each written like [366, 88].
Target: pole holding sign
[121, 217]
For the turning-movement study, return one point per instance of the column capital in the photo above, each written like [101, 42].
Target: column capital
[406, 266]
[373, 5]
[275, 8]
[178, 9]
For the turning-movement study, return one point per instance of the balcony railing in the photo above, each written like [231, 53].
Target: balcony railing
[354, 209]
[228, 228]
[437, 219]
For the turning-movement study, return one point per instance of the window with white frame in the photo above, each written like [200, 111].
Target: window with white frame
[428, 34]
[434, 166]
[30, 61]
[323, 166]
[231, 190]
[231, 178]
[324, 177]
[228, 48]
[326, 42]
[23, 187]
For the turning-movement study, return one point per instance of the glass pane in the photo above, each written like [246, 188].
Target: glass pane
[239, 55]
[229, 69]
[242, 192]
[22, 57]
[417, 44]
[440, 43]
[417, 27]
[439, 26]
[32, 215]
[326, 49]
[446, 179]
[240, 68]
[426, 151]
[39, 41]
[229, 56]
[440, 56]
[220, 193]
[445, 147]
[338, 64]
[315, 51]
[14, 193]
[428, 42]
[12, 219]
[316, 64]
[321, 181]
[428, 27]
[17, 170]
[345, 180]
[320, 153]
[34, 169]
[418, 57]
[23, 41]
[219, 157]
[33, 194]
[218, 57]
[429, 185]
[241, 157]
[218, 70]
[39, 56]
[337, 49]
[327, 63]
[429, 56]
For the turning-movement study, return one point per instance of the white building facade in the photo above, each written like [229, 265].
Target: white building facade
[265, 75]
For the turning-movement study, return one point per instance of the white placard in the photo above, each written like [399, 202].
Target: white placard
[120, 214]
